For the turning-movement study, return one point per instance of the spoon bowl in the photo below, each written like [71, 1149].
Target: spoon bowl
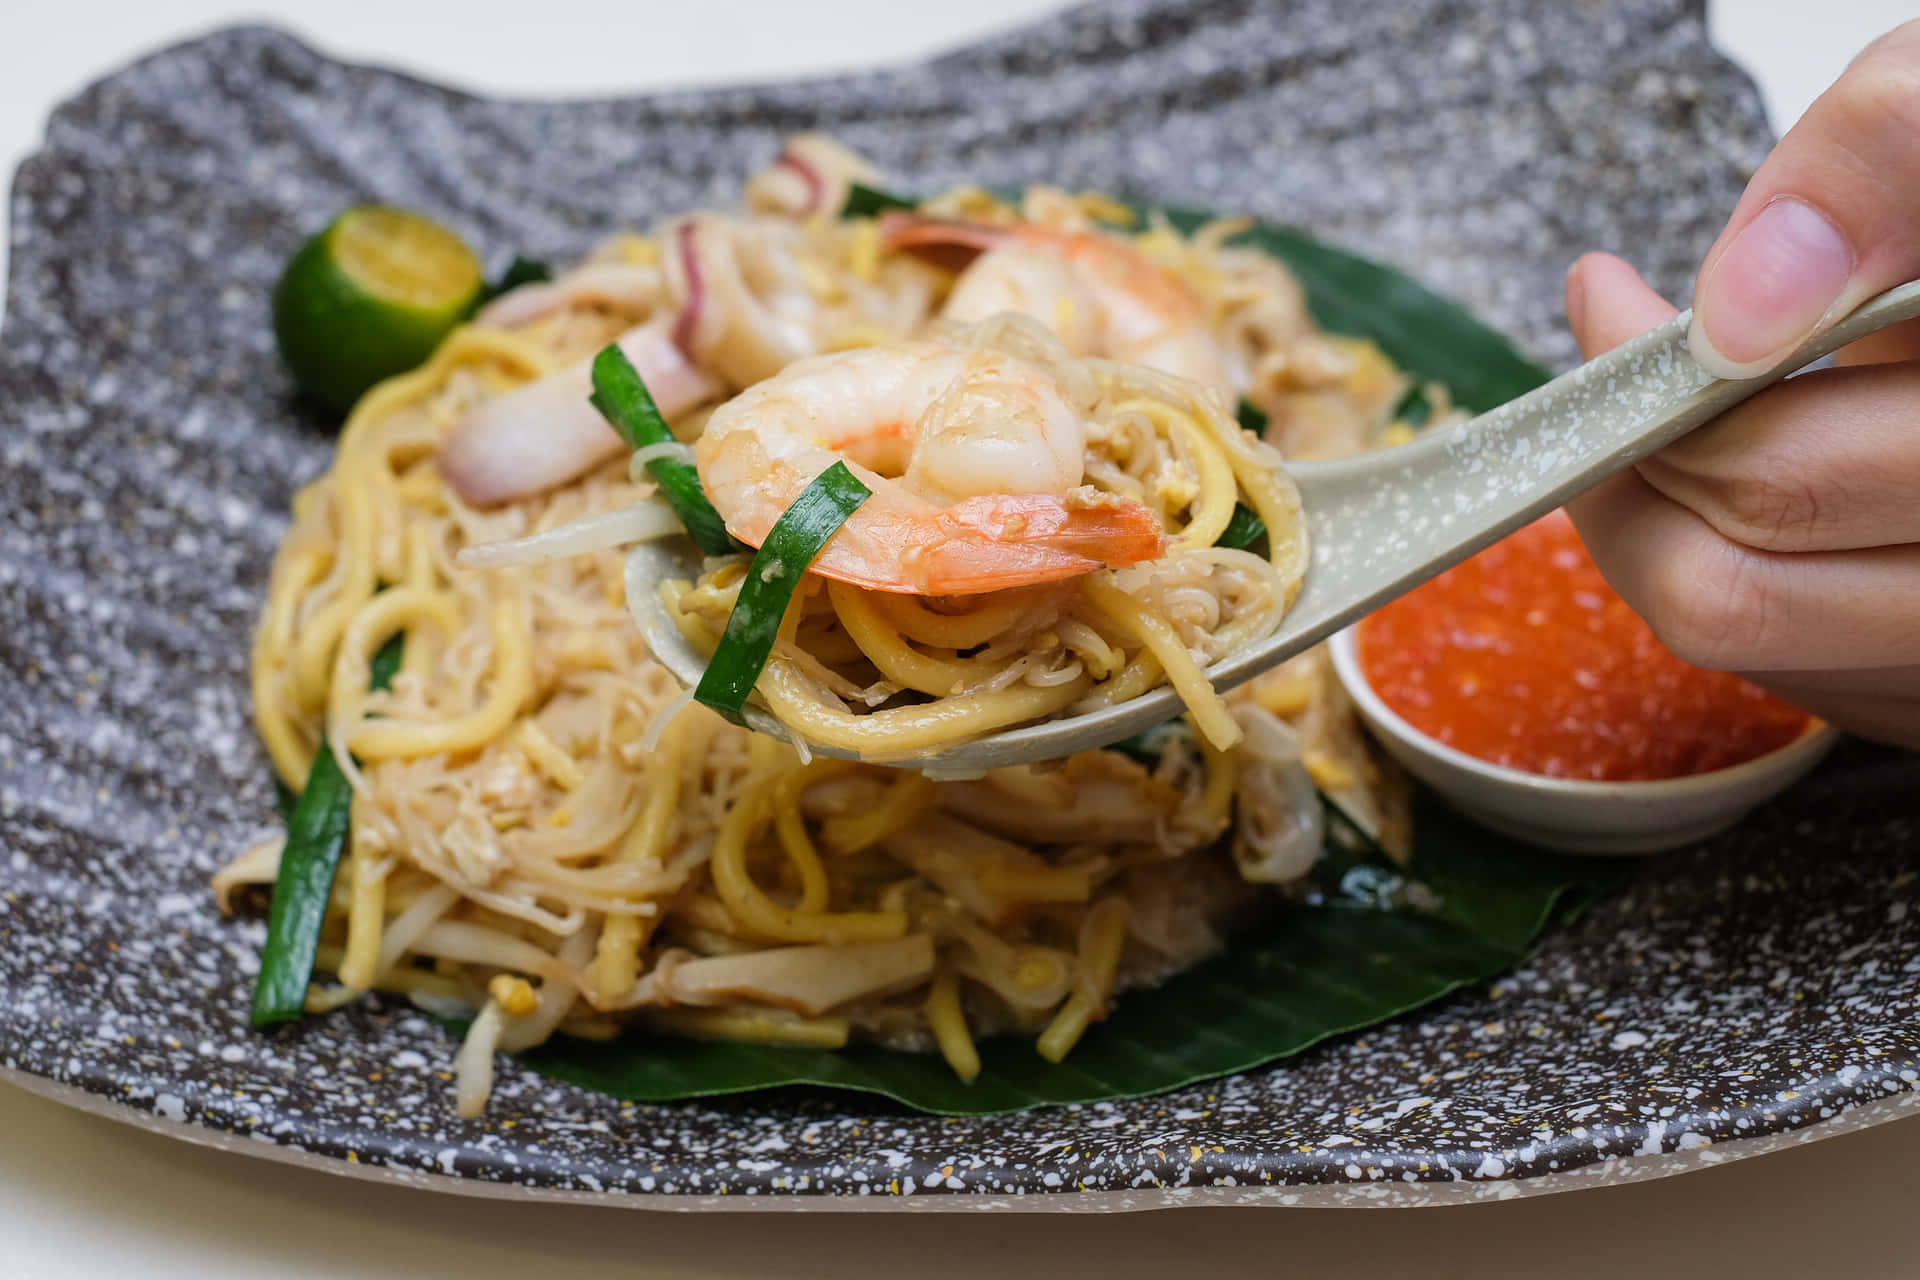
[1379, 524]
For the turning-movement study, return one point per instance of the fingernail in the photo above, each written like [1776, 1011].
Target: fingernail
[1576, 302]
[1769, 289]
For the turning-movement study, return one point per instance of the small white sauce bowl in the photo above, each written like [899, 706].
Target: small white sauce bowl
[1572, 815]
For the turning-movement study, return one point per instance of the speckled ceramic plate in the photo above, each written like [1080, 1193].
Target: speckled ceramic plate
[1736, 995]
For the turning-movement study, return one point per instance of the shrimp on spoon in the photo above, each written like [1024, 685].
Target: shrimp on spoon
[1098, 293]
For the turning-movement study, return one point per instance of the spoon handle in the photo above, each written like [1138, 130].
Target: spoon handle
[1381, 523]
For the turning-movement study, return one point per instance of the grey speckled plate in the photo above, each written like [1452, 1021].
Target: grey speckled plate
[1735, 995]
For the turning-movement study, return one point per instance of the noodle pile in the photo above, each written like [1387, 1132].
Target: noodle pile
[536, 843]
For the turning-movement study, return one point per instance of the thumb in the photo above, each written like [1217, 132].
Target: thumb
[1826, 223]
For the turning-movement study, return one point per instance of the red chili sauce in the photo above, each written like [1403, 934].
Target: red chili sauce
[1523, 656]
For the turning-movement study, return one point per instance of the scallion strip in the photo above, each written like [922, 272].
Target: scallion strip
[1414, 408]
[865, 202]
[316, 833]
[1243, 530]
[621, 396]
[1252, 417]
[790, 547]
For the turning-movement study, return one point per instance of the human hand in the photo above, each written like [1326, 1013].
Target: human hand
[1782, 540]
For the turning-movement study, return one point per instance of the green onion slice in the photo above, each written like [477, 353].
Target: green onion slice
[865, 202]
[316, 833]
[1243, 530]
[1413, 408]
[1252, 417]
[790, 546]
[621, 396]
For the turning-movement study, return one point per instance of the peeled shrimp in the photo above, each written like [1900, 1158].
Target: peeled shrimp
[546, 433]
[1098, 293]
[974, 454]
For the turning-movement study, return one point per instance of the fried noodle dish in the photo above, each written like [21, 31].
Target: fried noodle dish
[549, 835]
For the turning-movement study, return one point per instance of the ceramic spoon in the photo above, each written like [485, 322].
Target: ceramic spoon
[1381, 523]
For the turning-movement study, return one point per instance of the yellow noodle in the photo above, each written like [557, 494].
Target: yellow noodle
[751, 1028]
[863, 249]
[1204, 704]
[358, 482]
[1141, 673]
[617, 959]
[1276, 501]
[420, 487]
[801, 854]
[985, 618]
[557, 766]
[1037, 883]
[949, 1025]
[897, 731]
[752, 908]
[384, 617]
[419, 655]
[1223, 769]
[512, 683]
[897, 660]
[292, 758]
[354, 565]
[1209, 513]
[367, 912]
[1103, 935]
[907, 797]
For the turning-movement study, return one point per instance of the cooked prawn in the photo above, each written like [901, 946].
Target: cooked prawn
[1098, 293]
[974, 453]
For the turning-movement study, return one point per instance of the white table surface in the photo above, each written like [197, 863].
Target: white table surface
[83, 1197]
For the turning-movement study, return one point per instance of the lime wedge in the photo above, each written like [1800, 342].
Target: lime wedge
[369, 297]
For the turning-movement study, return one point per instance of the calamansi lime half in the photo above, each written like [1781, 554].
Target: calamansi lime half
[369, 297]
